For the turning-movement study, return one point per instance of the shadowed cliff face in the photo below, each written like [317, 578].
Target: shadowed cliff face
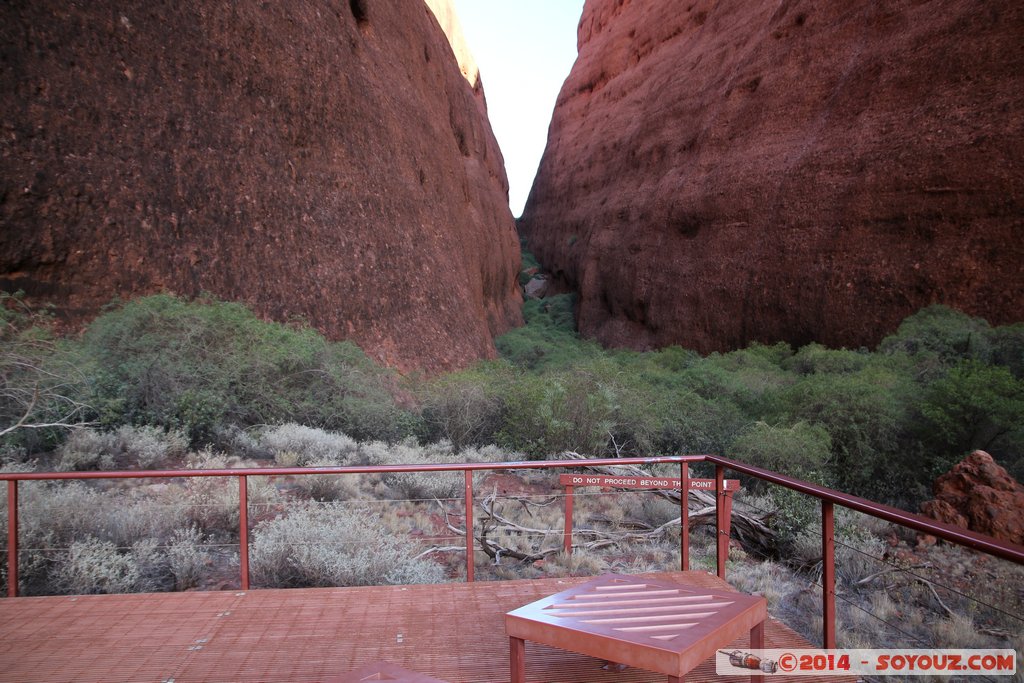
[723, 172]
[313, 159]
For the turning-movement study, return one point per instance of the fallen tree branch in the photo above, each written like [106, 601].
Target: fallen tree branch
[442, 549]
[930, 587]
[447, 522]
[887, 570]
[496, 551]
[494, 521]
[751, 532]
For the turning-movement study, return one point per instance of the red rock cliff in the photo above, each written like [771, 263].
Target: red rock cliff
[320, 159]
[720, 172]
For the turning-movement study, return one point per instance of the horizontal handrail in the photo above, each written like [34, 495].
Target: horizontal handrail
[347, 469]
[948, 532]
[927, 525]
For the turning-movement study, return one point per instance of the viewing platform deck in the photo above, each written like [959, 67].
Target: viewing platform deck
[454, 632]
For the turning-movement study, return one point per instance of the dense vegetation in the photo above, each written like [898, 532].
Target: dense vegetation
[161, 383]
[880, 423]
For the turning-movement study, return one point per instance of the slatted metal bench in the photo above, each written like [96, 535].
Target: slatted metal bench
[655, 625]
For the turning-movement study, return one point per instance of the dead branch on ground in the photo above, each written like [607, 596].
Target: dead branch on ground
[751, 531]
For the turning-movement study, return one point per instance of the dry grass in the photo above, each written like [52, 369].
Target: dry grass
[331, 545]
[293, 445]
[329, 487]
[187, 557]
[127, 447]
[574, 564]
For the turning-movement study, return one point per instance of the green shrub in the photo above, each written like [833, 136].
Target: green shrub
[660, 370]
[197, 366]
[466, 408]
[941, 333]
[815, 358]
[866, 414]
[750, 378]
[684, 422]
[801, 450]
[1007, 344]
[972, 406]
[528, 266]
[556, 412]
[43, 385]
[549, 338]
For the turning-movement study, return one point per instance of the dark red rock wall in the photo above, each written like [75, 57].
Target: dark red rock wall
[720, 172]
[317, 158]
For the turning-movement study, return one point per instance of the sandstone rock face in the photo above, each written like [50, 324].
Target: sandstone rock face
[724, 172]
[452, 27]
[980, 495]
[312, 159]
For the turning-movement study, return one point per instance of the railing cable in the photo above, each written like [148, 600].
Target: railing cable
[906, 570]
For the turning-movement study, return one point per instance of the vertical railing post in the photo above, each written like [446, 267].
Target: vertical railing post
[721, 523]
[243, 529]
[727, 496]
[469, 525]
[567, 534]
[684, 516]
[12, 538]
[828, 575]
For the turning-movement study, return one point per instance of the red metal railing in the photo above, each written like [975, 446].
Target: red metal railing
[828, 497]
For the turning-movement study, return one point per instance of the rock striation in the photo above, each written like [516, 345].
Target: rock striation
[980, 495]
[325, 161]
[722, 172]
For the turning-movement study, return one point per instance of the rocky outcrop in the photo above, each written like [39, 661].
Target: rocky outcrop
[314, 160]
[979, 495]
[724, 172]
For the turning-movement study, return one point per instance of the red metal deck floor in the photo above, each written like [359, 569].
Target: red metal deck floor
[454, 632]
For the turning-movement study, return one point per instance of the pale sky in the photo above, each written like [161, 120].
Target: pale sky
[524, 49]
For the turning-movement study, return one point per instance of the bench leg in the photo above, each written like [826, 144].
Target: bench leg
[517, 659]
[757, 643]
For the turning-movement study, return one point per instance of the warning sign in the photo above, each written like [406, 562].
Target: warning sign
[642, 482]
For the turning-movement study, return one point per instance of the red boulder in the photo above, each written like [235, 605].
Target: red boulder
[980, 495]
